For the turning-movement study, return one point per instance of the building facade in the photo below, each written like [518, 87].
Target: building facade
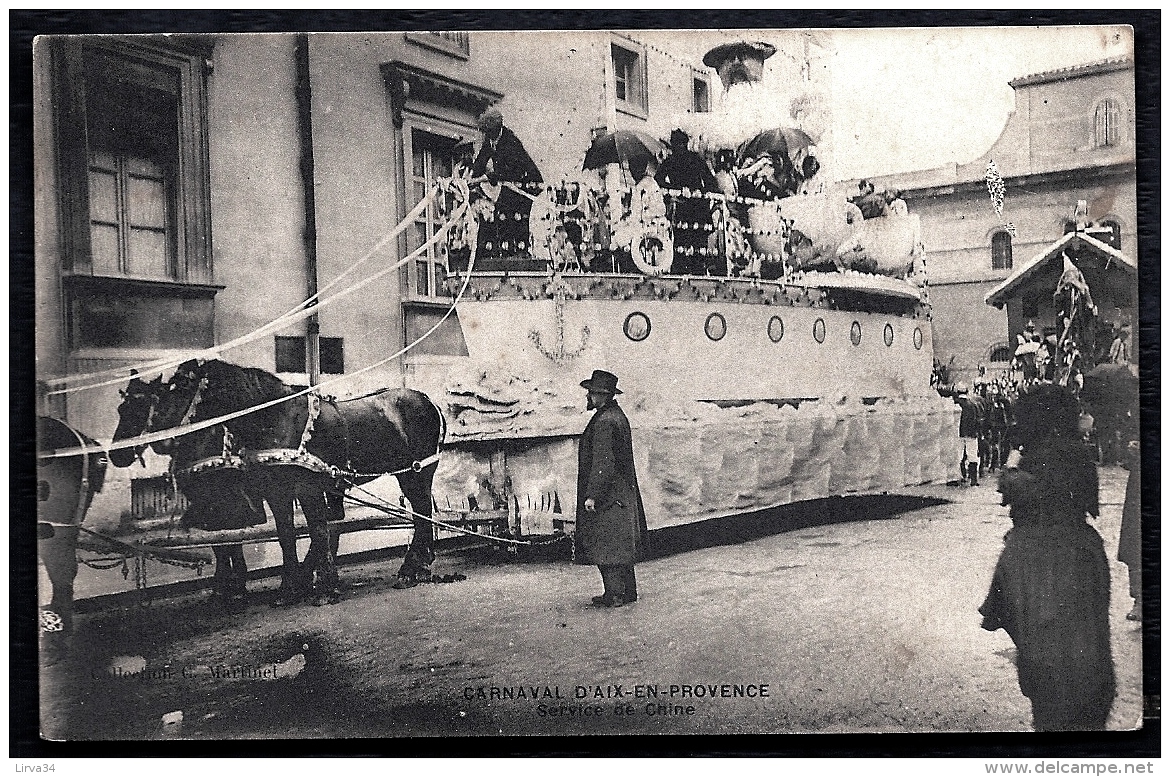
[1071, 138]
[191, 189]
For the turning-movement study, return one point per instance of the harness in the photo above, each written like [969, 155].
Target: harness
[196, 398]
[232, 458]
[227, 459]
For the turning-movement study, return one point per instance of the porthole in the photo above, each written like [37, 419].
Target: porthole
[637, 326]
[917, 338]
[855, 333]
[715, 327]
[888, 335]
[819, 330]
[775, 329]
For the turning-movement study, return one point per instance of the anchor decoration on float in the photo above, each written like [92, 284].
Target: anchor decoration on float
[558, 354]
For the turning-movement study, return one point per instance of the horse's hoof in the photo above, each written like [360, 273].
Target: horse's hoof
[404, 582]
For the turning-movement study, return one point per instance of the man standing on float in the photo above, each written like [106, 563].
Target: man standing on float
[505, 163]
[611, 522]
[689, 178]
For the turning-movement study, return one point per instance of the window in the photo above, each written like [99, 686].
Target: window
[457, 44]
[292, 356]
[1001, 251]
[1107, 123]
[133, 158]
[332, 352]
[629, 77]
[432, 157]
[155, 497]
[819, 330]
[133, 179]
[702, 95]
[418, 98]
[132, 128]
[999, 352]
[715, 327]
[637, 326]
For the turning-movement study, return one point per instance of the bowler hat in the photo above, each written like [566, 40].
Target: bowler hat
[603, 381]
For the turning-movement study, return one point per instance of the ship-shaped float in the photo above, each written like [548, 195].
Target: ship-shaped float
[775, 348]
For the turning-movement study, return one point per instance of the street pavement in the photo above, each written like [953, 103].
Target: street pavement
[868, 625]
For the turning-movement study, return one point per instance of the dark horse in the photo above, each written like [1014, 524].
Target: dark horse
[314, 449]
[220, 494]
[65, 489]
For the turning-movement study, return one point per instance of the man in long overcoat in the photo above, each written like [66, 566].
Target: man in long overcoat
[611, 522]
[502, 159]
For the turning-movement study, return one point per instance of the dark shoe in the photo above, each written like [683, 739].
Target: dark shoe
[608, 601]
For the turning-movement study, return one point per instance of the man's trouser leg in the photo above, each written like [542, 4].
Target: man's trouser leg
[613, 577]
[631, 584]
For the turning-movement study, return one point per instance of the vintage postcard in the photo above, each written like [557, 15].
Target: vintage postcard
[607, 382]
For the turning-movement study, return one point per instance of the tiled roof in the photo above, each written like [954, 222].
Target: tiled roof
[1075, 71]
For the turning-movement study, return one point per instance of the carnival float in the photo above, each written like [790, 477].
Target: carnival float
[772, 335]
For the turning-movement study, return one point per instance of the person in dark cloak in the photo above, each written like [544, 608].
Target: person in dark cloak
[691, 212]
[1050, 588]
[502, 160]
[611, 521]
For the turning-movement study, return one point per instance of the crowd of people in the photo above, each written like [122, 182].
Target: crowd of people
[680, 211]
[1047, 430]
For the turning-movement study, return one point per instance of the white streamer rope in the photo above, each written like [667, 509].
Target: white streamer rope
[166, 434]
[158, 366]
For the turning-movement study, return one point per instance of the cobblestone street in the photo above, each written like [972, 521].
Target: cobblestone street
[869, 625]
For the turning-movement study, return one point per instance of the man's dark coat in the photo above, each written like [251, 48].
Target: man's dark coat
[510, 162]
[616, 532]
[971, 417]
